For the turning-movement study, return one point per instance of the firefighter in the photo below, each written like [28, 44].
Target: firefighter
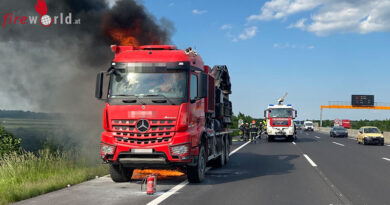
[246, 132]
[260, 129]
[242, 131]
[263, 126]
[253, 131]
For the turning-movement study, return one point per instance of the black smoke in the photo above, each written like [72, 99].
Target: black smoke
[54, 69]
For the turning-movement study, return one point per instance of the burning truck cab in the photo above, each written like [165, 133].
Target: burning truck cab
[164, 108]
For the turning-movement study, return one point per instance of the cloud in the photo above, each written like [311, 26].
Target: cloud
[299, 24]
[330, 16]
[198, 12]
[226, 27]
[248, 33]
[277, 9]
[171, 4]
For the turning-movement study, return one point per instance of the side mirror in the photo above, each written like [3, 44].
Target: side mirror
[382, 132]
[99, 85]
[265, 113]
[202, 91]
[296, 114]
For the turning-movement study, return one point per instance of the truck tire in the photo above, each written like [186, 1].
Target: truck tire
[195, 174]
[227, 150]
[120, 174]
[220, 161]
[290, 138]
[270, 139]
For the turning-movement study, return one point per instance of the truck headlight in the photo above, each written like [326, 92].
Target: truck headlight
[107, 149]
[180, 149]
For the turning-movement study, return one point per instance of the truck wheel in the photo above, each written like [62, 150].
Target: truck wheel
[220, 161]
[270, 139]
[195, 174]
[290, 138]
[227, 150]
[120, 174]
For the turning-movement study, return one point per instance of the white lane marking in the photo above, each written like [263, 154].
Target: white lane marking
[317, 137]
[387, 159]
[293, 143]
[338, 144]
[306, 134]
[352, 138]
[238, 148]
[167, 194]
[388, 145]
[309, 160]
[176, 188]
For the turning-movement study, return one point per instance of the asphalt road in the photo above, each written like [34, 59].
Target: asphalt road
[315, 169]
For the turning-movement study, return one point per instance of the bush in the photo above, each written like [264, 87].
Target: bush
[8, 143]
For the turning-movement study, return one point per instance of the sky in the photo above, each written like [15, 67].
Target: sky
[316, 50]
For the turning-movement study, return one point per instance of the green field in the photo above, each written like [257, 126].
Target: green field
[13, 124]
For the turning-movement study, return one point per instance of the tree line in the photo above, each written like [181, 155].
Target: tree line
[383, 125]
[19, 114]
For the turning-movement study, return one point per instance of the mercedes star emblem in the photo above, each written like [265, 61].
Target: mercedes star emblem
[142, 125]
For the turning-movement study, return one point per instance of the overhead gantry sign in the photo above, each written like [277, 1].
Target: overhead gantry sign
[357, 102]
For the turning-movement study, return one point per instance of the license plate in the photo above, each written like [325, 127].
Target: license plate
[144, 151]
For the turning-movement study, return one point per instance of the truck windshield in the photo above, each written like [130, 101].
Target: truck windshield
[170, 84]
[280, 112]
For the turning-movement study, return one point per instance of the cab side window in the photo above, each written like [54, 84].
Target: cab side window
[194, 87]
[361, 130]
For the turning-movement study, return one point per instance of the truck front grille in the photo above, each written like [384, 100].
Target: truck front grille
[160, 131]
[280, 122]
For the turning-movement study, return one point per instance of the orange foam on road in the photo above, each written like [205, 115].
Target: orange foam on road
[160, 173]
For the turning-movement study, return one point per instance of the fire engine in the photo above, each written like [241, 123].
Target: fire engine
[164, 108]
[280, 121]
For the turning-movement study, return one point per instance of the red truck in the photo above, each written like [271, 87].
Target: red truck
[164, 109]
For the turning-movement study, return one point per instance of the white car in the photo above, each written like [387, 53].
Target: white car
[308, 126]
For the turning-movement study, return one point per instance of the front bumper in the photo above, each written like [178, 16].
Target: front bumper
[374, 140]
[160, 155]
[340, 134]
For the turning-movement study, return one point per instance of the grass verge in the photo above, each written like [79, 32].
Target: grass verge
[27, 175]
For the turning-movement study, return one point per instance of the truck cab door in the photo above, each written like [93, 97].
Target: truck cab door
[196, 108]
